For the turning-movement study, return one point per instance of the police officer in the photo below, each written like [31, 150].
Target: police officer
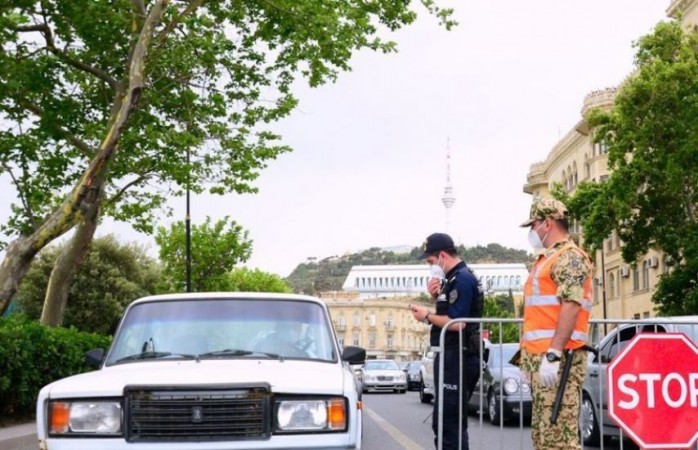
[458, 295]
[557, 305]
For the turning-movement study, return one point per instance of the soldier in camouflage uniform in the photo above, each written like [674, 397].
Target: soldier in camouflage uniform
[556, 318]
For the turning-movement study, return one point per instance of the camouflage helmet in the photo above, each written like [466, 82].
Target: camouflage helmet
[546, 208]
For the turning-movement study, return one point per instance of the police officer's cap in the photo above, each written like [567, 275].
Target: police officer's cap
[435, 243]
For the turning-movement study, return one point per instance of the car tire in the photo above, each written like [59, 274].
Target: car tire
[588, 424]
[493, 412]
[423, 397]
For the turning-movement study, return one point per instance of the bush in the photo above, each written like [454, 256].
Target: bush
[32, 355]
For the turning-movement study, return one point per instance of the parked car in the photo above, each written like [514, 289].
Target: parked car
[223, 370]
[426, 375]
[383, 375]
[414, 376]
[594, 423]
[500, 391]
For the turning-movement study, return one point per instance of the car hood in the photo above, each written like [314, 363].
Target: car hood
[282, 376]
[505, 372]
[384, 373]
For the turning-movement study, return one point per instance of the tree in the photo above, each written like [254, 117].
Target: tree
[500, 307]
[246, 280]
[651, 196]
[112, 276]
[101, 101]
[215, 249]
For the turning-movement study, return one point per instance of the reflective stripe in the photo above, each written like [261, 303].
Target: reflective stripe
[534, 335]
[586, 304]
[542, 300]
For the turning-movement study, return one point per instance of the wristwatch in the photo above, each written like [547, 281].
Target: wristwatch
[426, 319]
[552, 357]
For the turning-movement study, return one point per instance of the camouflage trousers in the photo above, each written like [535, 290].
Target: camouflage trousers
[564, 434]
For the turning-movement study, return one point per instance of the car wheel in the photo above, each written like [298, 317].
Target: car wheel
[588, 425]
[423, 397]
[492, 409]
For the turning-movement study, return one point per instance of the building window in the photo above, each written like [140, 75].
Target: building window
[372, 320]
[357, 319]
[372, 340]
[390, 342]
[636, 316]
[611, 285]
[356, 340]
[646, 315]
[645, 274]
[636, 278]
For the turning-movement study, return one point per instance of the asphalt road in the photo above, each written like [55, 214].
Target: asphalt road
[391, 422]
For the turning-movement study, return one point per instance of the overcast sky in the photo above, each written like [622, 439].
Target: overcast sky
[369, 161]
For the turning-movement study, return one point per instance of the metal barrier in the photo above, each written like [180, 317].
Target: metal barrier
[596, 429]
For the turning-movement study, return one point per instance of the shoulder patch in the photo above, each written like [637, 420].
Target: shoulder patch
[453, 296]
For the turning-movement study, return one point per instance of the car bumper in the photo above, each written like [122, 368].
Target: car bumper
[385, 386]
[514, 407]
[314, 442]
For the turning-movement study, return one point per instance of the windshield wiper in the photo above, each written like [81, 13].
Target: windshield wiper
[153, 355]
[235, 352]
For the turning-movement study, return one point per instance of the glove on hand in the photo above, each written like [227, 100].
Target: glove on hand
[549, 370]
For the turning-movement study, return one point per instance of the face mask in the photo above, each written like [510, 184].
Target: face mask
[436, 271]
[535, 240]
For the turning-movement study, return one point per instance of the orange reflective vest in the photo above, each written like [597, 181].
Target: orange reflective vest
[542, 307]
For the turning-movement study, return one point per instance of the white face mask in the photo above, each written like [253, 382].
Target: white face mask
[535, 240]
[436, 270]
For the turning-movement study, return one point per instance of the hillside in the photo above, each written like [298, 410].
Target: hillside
[329, 274]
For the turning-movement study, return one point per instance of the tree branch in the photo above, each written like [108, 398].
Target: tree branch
[22, 197]
[190, 9]
[74, 140]
[120, 193]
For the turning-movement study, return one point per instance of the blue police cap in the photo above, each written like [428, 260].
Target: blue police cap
[435, 243]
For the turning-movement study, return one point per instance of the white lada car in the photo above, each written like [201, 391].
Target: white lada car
[213, 371]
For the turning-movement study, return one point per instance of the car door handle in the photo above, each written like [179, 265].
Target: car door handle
[594, 375]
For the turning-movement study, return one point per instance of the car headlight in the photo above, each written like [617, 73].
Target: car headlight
[402, 377]
[311, 415]
[84, 417]
[511, 385]
[368, 377]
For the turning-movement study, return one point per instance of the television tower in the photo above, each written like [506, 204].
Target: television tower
[448, 199]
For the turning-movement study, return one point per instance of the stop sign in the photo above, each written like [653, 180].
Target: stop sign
[653, 390]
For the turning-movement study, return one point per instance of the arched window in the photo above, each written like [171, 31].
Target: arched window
[645, 274]
[611, 285]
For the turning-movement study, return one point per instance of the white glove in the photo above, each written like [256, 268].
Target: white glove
[548, 370]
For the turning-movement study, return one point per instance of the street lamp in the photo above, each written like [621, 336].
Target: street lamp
[187, 225]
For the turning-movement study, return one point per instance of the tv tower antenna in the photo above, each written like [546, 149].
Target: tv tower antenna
[448, 199]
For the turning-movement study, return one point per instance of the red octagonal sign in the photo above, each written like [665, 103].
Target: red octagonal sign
[653, 390]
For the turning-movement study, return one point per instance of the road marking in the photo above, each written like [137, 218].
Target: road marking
[396, 434]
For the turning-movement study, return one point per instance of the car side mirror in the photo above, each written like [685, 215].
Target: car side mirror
[94, 357]
[354, 355]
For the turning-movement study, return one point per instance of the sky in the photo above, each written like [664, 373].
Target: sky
[369, 162]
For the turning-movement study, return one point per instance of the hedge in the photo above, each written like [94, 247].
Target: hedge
[33, 355]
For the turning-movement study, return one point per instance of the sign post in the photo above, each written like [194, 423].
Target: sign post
[653, 390]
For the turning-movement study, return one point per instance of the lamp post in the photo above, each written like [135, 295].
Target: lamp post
[187, 225]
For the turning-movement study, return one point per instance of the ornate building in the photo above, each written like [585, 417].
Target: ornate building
[384, 327]
[621, 290]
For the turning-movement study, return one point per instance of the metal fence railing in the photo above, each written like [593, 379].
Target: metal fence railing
[503, 400]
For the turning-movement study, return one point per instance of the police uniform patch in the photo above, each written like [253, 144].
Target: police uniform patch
[452, 296]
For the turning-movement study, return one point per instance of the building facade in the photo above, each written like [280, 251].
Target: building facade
[411, 280]
[620, 290]
[384, 327]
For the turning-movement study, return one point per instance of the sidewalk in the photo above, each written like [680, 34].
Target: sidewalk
[17, 436]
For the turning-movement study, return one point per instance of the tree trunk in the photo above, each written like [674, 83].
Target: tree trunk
[20, 252]
[67, 265]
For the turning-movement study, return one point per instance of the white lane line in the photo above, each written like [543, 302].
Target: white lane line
[396, 434]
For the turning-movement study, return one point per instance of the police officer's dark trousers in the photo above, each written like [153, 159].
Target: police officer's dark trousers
[453, 380]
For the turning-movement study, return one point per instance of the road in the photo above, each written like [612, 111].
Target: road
[401, 422]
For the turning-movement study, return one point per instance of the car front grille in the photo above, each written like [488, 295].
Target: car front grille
[178, 415]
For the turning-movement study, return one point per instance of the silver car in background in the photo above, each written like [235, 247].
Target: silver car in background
[383, 375]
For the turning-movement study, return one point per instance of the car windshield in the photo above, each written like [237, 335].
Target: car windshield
[500, 355]
[381, 365]
[223, 328]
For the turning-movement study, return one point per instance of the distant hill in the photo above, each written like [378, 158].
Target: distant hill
[328, 274]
